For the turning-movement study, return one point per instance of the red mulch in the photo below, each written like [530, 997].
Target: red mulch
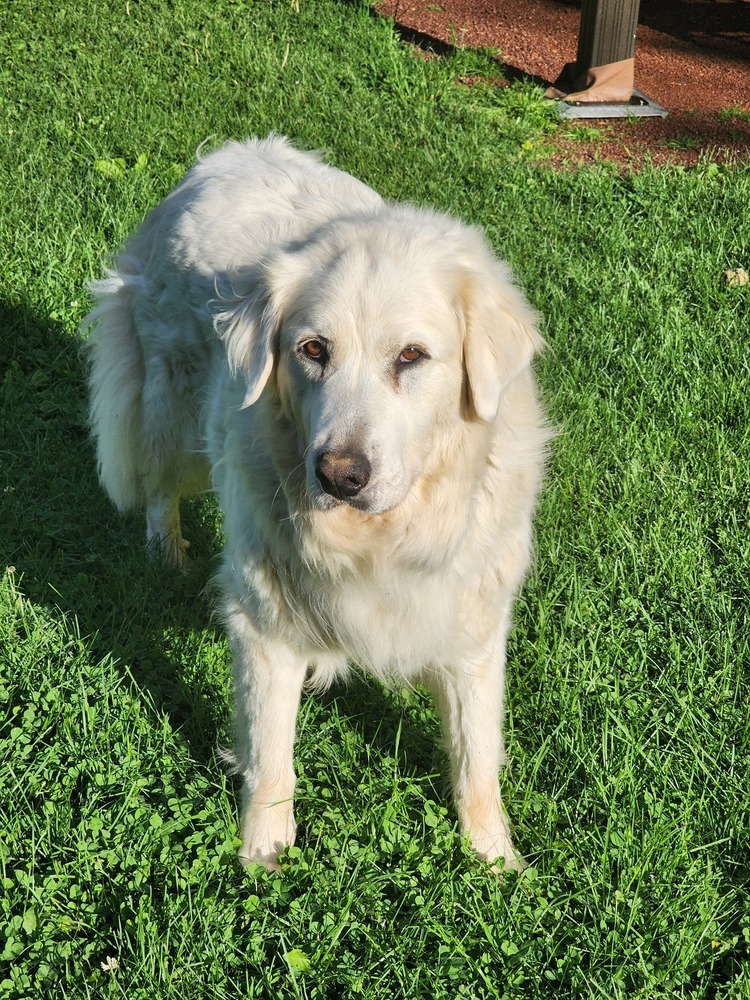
[692, 57]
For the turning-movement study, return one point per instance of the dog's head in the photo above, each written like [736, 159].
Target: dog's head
[381, 334]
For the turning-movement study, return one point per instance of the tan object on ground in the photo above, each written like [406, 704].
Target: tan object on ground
[736, 276]
[610, 83]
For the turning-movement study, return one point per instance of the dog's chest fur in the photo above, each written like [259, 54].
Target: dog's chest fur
[387, 615]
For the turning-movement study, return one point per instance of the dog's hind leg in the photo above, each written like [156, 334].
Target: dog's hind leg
[173, 463]
[163, 529]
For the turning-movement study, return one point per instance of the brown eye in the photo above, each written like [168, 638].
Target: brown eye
[314, 350]
[409, 355]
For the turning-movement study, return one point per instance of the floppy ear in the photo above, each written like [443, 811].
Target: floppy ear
[501, 336]
[249, 324]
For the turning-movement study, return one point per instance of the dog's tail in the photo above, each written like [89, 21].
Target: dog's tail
[116, 383]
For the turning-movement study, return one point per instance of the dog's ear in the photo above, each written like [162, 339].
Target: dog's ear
[249, 324]
[500, 333]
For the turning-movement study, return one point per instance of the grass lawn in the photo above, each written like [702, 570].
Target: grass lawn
[628, 728]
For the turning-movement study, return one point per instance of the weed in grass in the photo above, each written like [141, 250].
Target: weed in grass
[735, 112]
[517, 113]
[683, 142]
[583, 133]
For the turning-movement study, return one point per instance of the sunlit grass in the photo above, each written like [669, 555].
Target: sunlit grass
[628, 732]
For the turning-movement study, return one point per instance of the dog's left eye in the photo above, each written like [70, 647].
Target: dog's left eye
[410, 354]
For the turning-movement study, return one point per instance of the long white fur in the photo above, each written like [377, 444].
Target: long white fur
[197, 373]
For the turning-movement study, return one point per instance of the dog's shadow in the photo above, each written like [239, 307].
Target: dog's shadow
[386, 720]
[379, 745]
[71, 552]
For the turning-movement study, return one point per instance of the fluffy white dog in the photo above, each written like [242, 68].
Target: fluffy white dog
[354, 380]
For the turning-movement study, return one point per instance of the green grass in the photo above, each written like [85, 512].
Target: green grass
[628, 729]
[734, 112]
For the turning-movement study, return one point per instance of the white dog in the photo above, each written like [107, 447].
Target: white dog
[354, 379]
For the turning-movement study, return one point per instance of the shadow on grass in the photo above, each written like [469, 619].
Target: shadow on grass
[392, 724]
[70, 548]
[428, 46]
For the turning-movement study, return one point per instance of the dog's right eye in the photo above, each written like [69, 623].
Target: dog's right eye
[315, 351]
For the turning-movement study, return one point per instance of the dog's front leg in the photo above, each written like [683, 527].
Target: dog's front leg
[470, 700]
[269, 675]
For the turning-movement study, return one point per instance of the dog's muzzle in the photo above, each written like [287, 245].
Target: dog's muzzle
[342, 474]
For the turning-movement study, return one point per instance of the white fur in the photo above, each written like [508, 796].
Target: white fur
[198, 363]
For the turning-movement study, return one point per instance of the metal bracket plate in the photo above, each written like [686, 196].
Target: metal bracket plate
[639, 106]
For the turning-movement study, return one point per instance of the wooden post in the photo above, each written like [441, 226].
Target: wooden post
[600, 83]
[607, 33]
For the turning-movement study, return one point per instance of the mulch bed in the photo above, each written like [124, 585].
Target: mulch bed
[692, 57]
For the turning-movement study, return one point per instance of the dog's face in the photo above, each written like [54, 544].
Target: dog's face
[369, 369]
[380, 337]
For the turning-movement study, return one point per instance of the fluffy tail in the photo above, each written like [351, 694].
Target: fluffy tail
[116, 382]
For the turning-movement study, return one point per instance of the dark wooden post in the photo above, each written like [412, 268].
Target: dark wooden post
[607, 33]
[600, 84]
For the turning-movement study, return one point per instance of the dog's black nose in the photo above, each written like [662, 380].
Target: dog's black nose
[342, 474]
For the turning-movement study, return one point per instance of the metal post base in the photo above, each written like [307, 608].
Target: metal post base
[639, 106]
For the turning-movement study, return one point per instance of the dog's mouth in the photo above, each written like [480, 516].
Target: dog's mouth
[327, 501]
[370, 505]
[324, 501]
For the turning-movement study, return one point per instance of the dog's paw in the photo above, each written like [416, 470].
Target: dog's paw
[176, 554]
[514, 862]
[267, 831]
[501, 855]
[494, 844]
[250, 856]
[163, 532]
[171, 549]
